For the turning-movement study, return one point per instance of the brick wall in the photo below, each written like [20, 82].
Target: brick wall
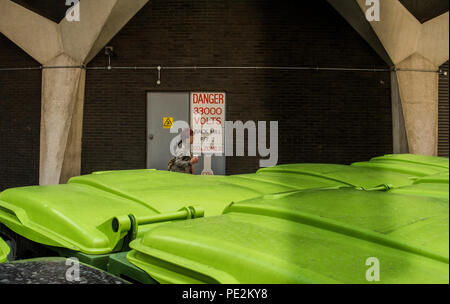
[335, 117]
[20, 115]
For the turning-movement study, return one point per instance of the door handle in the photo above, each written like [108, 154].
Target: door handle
[151, 137]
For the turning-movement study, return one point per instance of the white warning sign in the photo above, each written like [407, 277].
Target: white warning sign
[207, 121]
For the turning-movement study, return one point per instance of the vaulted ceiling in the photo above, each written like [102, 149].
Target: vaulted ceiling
[52, 9]
[425, 10]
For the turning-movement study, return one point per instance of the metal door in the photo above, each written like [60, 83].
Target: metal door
[160, 106]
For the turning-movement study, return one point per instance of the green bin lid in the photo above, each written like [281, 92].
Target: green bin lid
[4, 250]
[418, 165]
[432, 186]
[309, 236]
[337, 175]
[441, 162]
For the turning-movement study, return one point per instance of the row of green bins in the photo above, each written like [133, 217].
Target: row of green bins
[94, 217]
[93, 214]
[79, 215]
[309, 236]
[4, 250]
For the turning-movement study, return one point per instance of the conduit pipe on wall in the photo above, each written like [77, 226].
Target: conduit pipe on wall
[223, 67]
[195, 68]
[43, 68]
[160, 68]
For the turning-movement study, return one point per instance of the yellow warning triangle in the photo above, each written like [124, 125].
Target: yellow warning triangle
[168, 121]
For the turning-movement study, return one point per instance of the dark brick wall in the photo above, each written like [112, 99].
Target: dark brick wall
[20, 108]
[335, 117]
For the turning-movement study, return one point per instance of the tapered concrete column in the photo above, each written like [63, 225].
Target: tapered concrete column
[419, 47]
[65, 45]
[72, 159]
[61, 121]
[420, 96]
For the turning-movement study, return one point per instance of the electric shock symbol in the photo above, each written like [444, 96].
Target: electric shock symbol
[167, 122]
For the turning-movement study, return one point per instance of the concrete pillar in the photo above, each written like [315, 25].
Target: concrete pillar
[69, 45]
[72, 160]
[414, 46]
[61, 121]
[419, 95]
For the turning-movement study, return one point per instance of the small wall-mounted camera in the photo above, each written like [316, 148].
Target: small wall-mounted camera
[109, 50]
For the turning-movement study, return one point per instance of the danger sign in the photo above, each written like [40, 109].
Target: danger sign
[207, 121]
